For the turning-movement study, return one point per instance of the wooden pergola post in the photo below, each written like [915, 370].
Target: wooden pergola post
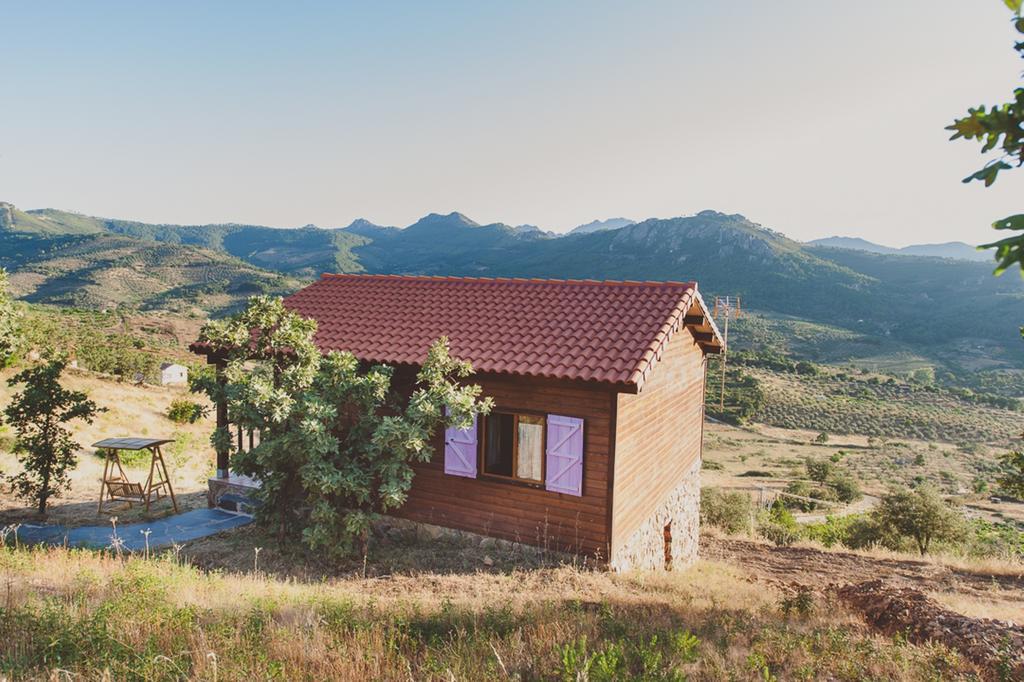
[222, 423]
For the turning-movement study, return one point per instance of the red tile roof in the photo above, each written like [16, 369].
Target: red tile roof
[563, 329]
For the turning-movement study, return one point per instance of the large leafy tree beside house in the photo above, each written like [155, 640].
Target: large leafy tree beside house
[337, 441]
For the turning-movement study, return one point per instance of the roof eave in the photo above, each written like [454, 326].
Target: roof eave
[691, 313]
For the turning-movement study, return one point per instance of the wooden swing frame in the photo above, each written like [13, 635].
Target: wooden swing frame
[115, 487]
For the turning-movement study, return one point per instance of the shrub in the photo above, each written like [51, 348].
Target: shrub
[863, 531]
[833, 530]
[845, 487]
[728, 511]
[802, 602]
[1011, 474]
[808, 490]
[803, 489]
[806, 368]
[997, 540]
[819, 470]
[184, 411]
[756, 473]
[924, 375]
[779, 526]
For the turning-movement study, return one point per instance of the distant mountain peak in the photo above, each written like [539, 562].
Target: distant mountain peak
[602, 225]
[362, 224]
[453, 219]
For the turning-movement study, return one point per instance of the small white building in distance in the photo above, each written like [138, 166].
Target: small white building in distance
[172, 373]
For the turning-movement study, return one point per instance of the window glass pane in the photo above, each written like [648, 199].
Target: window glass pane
[498, 455]
[531, 447]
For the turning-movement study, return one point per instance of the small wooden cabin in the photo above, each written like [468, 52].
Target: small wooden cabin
[594, 445]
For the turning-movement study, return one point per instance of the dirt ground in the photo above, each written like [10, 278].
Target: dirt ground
[984, 592]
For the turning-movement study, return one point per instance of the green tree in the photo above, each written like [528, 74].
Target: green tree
[1011, 474]
[1001, 127]
[920, 514]
[9, 322]
[845, 486]
[819, 470]
[44, 446]
[337, 440]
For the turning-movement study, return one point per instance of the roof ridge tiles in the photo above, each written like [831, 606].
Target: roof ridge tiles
[666, 284]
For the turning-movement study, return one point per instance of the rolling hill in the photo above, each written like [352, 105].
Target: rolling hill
[109, 271]
[932, 303]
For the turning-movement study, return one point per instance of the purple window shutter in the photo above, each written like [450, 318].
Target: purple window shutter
[565, 455]
[460, 451]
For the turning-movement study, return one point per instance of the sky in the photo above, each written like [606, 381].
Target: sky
[811, 118]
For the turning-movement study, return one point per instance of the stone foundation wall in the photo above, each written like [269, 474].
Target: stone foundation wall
[645, 548]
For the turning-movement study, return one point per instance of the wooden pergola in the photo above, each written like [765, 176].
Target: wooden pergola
[240, 436]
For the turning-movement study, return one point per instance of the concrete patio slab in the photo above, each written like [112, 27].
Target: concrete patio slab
[164, 532]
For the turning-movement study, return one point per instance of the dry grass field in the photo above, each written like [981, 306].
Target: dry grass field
[133, 410]
[77, 615]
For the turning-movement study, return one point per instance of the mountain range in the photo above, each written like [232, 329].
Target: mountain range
[957, 250]
[927, 302]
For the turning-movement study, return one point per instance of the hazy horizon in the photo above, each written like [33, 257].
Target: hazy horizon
[295, 226]
[814, 120]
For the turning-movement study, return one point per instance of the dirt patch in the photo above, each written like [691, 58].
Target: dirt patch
[997, 646]
[815, 568]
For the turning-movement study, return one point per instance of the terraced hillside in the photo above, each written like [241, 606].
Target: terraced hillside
[839, 403]
[107, 271]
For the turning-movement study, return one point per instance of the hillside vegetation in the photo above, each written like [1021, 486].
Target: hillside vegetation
[944, 309]
[109, 271]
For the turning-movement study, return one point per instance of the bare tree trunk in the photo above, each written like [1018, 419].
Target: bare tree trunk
[44, 493]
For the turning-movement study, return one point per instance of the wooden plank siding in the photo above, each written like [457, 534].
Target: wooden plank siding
[658, 435]
[521, 512]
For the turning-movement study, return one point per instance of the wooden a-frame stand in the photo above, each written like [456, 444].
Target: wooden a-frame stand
[115, 486]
